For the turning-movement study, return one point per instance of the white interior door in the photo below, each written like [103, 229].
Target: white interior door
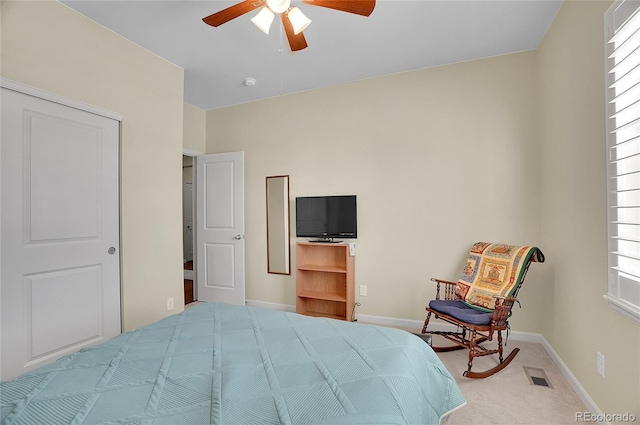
[220, 227]
[60, 231]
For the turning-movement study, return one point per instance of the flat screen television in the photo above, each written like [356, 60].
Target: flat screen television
[326, 217]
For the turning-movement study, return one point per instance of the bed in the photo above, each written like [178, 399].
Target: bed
[224, 364]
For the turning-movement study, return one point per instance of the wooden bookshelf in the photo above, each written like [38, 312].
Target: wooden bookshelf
[324, 280]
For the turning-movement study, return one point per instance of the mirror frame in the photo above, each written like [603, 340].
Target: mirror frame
[278, 221]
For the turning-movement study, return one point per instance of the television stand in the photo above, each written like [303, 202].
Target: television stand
[325, 277]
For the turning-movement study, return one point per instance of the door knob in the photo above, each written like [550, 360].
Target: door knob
[111, 250]
[238, 237]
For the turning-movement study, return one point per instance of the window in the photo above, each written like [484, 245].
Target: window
[622, 61]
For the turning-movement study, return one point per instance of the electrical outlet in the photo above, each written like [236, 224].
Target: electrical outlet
[363, 290]
[600, 363]
[170, 303]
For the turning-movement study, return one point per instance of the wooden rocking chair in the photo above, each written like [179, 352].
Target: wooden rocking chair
[480, 303]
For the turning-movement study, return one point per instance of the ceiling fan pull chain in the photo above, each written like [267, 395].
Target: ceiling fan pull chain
[281, 51]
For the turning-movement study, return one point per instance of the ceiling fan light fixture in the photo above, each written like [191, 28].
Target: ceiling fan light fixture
[298, 20]
[278, 6]
[263, 19]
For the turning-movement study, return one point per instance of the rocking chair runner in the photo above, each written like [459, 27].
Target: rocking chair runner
[480, 303]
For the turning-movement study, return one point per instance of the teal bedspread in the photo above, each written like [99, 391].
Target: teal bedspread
[224, 364]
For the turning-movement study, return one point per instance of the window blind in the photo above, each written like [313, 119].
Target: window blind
[622, 62]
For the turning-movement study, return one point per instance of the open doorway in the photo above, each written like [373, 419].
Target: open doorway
[188, 228]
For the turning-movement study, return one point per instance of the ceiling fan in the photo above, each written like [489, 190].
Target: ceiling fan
[293, 20]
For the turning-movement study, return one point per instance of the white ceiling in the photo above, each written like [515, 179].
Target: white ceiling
[399, 36]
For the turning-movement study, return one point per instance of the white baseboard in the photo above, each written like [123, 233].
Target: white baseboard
[577, 387]
[272, 306]
[417, 324]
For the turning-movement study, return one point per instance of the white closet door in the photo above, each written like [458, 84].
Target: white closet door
[60, 231]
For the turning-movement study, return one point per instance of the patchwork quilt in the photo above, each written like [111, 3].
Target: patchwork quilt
[494, 269]
[224, 364]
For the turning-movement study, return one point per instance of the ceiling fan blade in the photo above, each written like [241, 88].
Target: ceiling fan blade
[359, 7]
[296, 42]
[232, 12]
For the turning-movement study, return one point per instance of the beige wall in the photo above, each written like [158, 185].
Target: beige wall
[51, 47]
[194, 130]
[439, 159]
[573, 210]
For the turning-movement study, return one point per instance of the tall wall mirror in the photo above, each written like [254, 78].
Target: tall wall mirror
[278, 228]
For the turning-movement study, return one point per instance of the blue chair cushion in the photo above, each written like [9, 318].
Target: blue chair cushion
[459, 310]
